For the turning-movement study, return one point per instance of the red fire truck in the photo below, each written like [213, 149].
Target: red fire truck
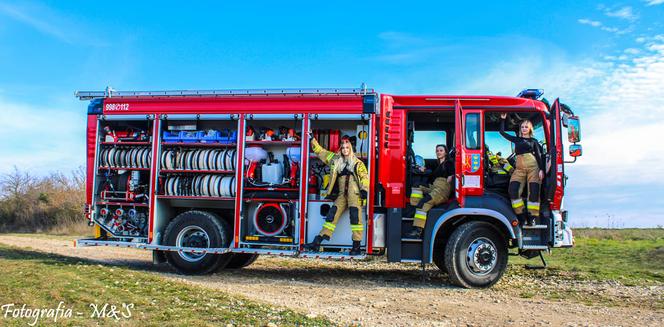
[210, 180]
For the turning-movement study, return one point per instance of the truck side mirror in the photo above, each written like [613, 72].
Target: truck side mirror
[573, 129]
[575, 150]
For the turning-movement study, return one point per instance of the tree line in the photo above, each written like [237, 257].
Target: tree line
[31, 203]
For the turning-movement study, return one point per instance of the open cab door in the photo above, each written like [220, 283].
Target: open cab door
[555, 180]
[469, 145]
[555, 176]
[459, 153]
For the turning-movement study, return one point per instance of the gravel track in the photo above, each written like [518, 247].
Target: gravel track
[375, 293]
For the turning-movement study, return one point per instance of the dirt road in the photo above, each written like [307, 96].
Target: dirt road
[376, 293]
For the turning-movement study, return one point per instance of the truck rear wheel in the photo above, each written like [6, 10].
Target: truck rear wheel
[241, 260]
[198, 229]
[476, 255]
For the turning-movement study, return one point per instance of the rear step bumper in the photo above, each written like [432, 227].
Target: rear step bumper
[145, 246]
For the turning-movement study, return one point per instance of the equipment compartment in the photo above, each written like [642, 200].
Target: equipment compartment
[121, 194]
[329, 131]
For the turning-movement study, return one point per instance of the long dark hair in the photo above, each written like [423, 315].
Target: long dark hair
[447, 153]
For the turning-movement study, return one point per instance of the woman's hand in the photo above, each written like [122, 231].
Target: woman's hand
[541, 175]
[503, 115]
[422, 169]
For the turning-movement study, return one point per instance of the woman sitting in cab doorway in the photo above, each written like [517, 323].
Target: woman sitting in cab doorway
[350, 177]
[424, 198]
[529, 169]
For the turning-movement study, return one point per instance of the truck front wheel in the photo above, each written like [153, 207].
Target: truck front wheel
[476, 255]
[197, 229]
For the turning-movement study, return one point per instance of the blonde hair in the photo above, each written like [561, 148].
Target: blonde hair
[530, 124]
[350, 160]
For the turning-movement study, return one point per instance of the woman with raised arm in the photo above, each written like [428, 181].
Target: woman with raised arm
[349, 175]
[529, 170]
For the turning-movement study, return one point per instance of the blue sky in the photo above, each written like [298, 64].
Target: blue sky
[605, 59]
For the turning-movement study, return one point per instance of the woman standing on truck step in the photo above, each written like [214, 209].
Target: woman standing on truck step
[529, 169]
[350, 177]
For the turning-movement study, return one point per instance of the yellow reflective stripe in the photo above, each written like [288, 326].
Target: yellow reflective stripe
[416, 195]
[533, 205]
[517, 203]
[330, 156]
[329, 226]
[420, 215]
[356, 228]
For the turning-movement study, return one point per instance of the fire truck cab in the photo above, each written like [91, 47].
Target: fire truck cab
[209, 180]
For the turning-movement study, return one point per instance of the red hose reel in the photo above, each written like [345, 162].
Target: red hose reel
[270, 219]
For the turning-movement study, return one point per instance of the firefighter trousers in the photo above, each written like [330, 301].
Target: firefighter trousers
[425, 198]
[346, 200]
[525, 174]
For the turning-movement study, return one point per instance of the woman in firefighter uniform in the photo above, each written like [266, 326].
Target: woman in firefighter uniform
[424, 198]
[529, 171]
[349, 176]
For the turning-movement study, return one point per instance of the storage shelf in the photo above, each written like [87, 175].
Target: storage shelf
[127, 204]
[126, 143]
[269, 200]
[191, 171]
[188, 197]
[273, 142]
[294, 189]
[122, 168]
[201, 145]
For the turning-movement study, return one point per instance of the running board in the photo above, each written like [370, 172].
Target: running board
[145, 246]
[534, 227]
[331, 255]
[534, 247]
[281, 253]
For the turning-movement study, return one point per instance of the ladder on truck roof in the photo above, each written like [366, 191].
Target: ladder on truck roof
[110, 92]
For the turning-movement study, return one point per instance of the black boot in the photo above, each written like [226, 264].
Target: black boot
[315, 245]
[415, 232]
[356, 248]
[523, 217]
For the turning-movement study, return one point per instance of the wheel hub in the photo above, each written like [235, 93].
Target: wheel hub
[192, 237]
[482, 256]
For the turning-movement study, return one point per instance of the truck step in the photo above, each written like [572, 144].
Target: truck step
[266, 251]
[534, 227]
[535, 247]
[407, 219]
[331, 255]
[531, 238]
[411, 240]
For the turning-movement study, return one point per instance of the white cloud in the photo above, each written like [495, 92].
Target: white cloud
[41, 139]
[51, 23]
[654, 2]
[586, 21]
[625, 13]
[601, 26]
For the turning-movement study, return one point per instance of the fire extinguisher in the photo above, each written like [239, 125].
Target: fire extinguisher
[313, 184]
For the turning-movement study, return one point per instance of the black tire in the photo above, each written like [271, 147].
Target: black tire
[439, 259]
[490, 247]
[241, 260]
[218, 235]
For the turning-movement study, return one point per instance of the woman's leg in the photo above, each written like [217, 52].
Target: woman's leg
[332, 217]
[534, 186]
[517, 181]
